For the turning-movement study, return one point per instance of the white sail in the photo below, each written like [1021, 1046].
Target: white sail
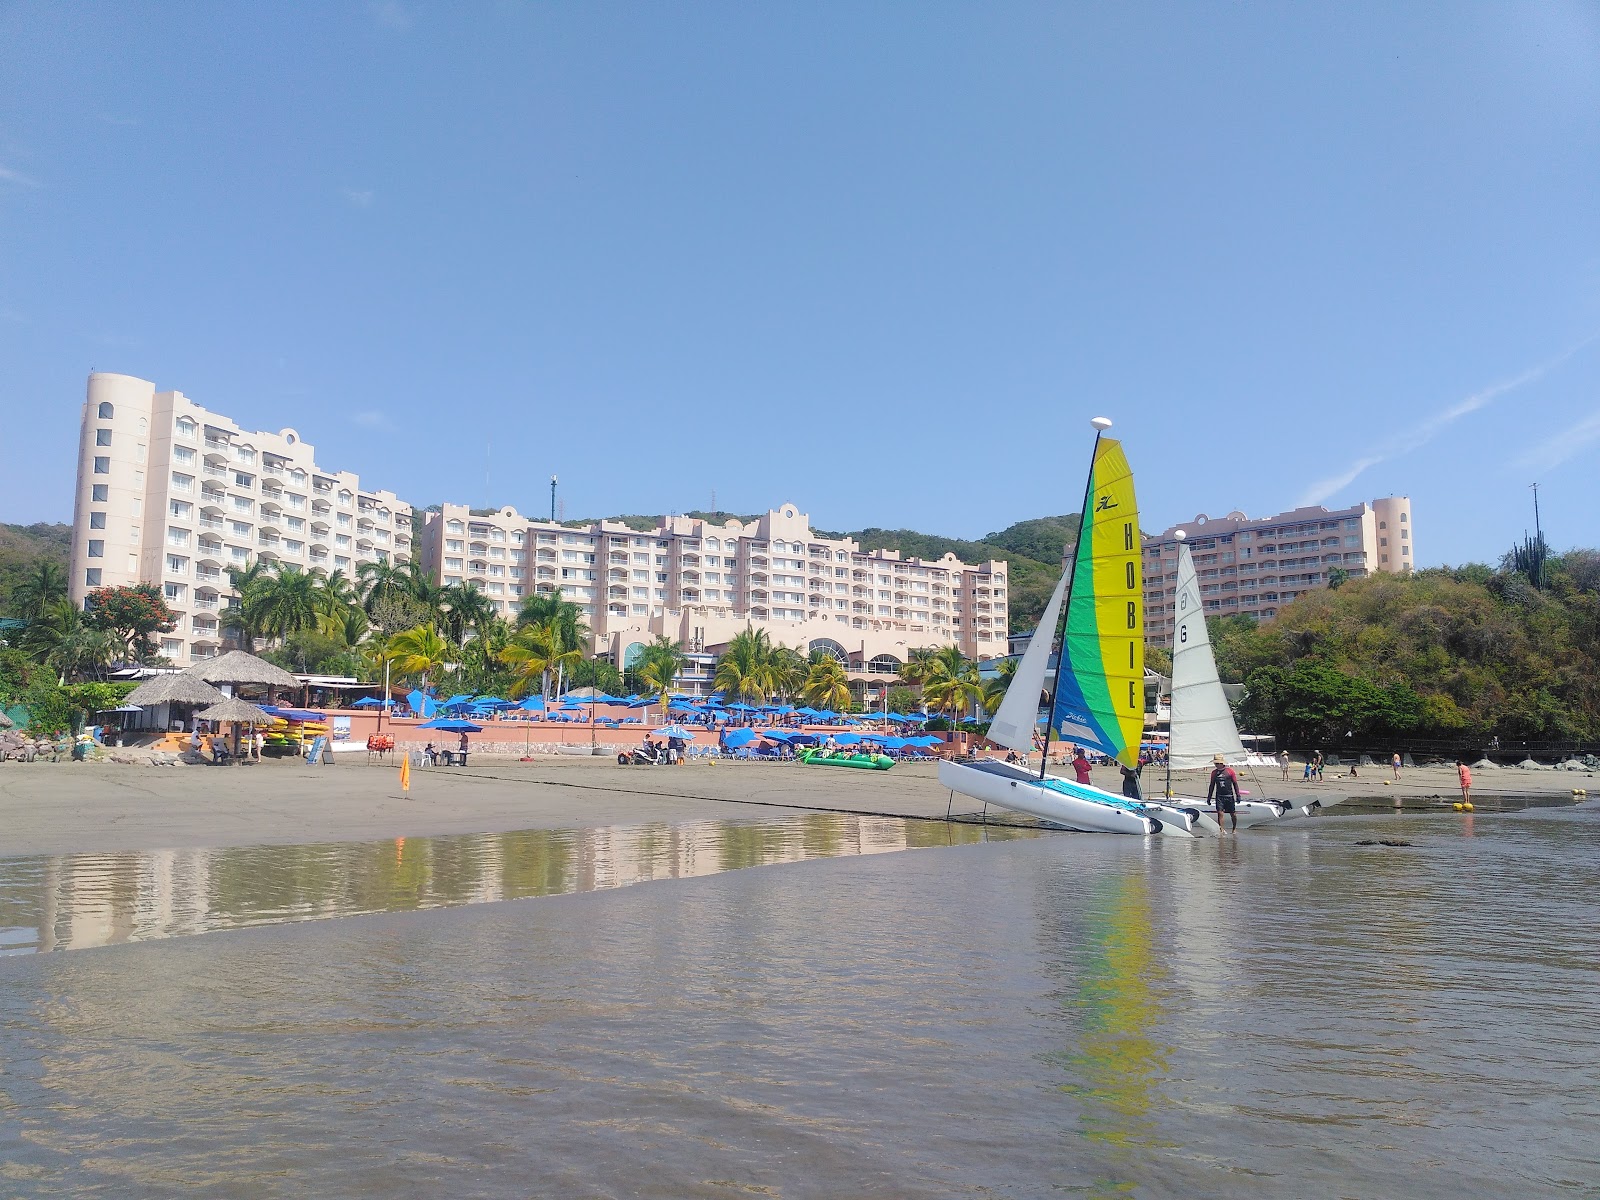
[1014, 723]
[1202, 722]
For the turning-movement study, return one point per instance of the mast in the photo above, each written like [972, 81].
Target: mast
[1101, 424]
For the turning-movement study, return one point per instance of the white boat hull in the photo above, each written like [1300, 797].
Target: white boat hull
[1059, 801]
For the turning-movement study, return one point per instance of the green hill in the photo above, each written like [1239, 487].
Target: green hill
[21, 545]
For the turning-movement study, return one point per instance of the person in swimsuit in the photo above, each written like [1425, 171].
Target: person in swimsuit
[1080, 766]
[1224, 790]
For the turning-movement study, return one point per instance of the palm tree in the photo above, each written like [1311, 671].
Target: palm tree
[41, 586]
[382, 581]
[465, 610]
[991, 693]
[541, 610]
[919, 663]
[290, 601]
[61, 639]
[657, 666]
[351, 627]
[747, 669]
[336, 596]
[247, 617]
[790, 671]
[420, 652]
[536, 652]
[951, 682]
[826, 685]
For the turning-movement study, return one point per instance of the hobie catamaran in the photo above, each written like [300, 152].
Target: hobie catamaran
[1202, 721]
[1096, 616]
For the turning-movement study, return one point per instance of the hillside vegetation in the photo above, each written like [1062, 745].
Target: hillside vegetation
[1467, 652]
[23, 545]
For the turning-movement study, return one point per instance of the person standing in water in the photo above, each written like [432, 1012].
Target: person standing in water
[1464, 774]
[1224, 791]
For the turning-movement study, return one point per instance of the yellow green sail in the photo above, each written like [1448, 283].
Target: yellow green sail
[1100, 694]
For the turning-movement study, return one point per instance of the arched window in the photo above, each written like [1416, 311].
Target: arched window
[631, 656]
[107, 411]
[832, 647]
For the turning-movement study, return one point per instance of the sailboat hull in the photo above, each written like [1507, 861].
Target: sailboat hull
[1059, 801]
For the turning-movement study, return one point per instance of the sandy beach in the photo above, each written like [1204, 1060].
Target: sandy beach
[61, 808]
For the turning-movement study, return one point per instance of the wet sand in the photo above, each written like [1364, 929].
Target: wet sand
[63, 808]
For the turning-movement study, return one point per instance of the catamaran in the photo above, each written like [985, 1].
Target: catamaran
[1096, 617]
[1202, 725]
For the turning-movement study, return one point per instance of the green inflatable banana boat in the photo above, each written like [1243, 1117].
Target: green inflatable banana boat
[816, 757]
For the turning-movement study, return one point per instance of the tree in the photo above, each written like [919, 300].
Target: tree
[132, 616]
[903, 700]
[537, 653]
[543, 609]
[465, 610]
[950, 683]
[1337, 577]
[42, 585]
[826, 685]
[289, 600]
[420, 653]
[657, 667]
[62, 639]
[750, 669]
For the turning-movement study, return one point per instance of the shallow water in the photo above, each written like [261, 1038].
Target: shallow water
[79, 901]
[1281, 1014]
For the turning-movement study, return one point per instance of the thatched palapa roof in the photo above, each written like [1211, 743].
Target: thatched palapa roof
[181, 687]
[237, 667]
[234, 709]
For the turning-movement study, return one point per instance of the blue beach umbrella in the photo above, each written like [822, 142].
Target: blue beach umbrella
[671, 731]
[735, 738]
[451, 725]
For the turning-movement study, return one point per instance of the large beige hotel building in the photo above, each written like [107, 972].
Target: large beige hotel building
[700, 583]
[177, 495]
[1253, 565]
[174, 494]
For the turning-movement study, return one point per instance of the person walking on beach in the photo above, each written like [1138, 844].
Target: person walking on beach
[1080, 766]
[1394, 763]
[1283, 764]
[1223, 790]
[194, 741]
[1464, 774]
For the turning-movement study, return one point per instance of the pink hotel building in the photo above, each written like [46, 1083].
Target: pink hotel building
[1252, 566]
[700, 583]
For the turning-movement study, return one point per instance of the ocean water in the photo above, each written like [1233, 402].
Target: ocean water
[1285, 1013]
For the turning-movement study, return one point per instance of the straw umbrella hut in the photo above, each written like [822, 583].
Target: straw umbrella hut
[233, 711]
[242, 670]
[179, 688]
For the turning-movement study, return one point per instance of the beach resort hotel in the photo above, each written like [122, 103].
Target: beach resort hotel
[701, 582]
[177, 495]
[174, 494]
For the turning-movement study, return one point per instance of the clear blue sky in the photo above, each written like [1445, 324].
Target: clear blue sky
[883, 260]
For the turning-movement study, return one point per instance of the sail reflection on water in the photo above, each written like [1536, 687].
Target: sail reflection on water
[84, 900]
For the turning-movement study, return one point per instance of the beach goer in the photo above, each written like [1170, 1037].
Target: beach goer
[194, 740]
[675, 748]
[1130, 781]
[1310, 767]
[1011, 756]
[1318, 763]
[258, 743]
[1224, 791]
[1394, 763]
[1464, 774]
[461, 750]
[1283, 764]
[1080, 766]
[430, 755]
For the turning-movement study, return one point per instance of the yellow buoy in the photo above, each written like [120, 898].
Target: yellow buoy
[1456, 806]
[1385, 783]
[1466, 807]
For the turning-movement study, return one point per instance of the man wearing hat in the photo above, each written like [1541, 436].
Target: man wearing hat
[1224, 789]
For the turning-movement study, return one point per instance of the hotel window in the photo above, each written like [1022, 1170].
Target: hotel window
[173, 591]
[97, 548]
[240, 479]
[177, 565]
[102, 437]
[343, 520]
[91, 577]
[97, 520]
[106, 412]
[102, 466]
[1405, 534]
[1383, 524]
[342, 540]
[454, 544]
[99, 493]
[1384, 542]
[341, 563]
[186, 427]
[1402, 518]
[182, 455]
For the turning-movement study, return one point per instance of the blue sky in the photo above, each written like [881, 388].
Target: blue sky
[884, 261]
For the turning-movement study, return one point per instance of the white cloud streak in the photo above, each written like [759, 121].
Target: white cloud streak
[7, 175]
[1567, 444]
[1435, 425]
[372, 419]
[360, 199]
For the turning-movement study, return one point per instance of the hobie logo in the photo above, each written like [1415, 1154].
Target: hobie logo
[1105, 503]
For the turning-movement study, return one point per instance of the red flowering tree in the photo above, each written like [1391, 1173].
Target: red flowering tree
[131, 615]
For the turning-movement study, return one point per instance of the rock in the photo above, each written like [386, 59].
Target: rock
[1366, 761]
[1483, 764]
[1528, 764]
[1407, 761]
